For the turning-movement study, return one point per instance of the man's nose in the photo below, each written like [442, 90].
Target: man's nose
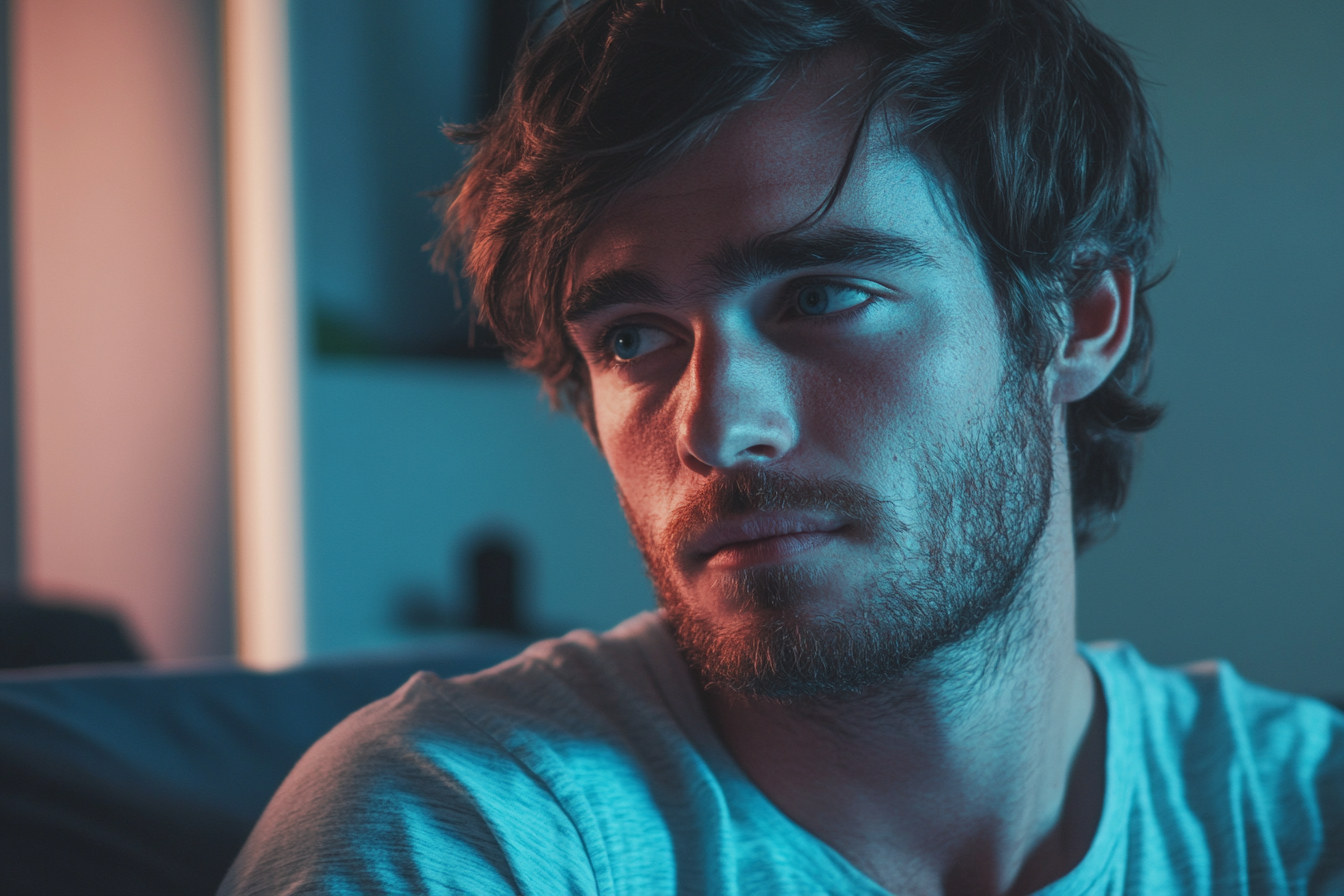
[736, 406]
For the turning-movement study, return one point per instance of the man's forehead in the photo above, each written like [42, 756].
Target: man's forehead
[722, 232]
[768, 169]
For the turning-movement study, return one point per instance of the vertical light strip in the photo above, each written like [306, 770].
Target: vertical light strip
[263, 338]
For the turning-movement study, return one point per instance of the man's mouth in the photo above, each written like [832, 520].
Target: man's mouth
[762, 538]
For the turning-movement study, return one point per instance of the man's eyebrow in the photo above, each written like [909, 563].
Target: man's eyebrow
[736, 266]
[733, 266]
[612, 288]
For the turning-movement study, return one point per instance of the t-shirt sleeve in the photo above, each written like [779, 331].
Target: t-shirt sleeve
[409, 796]
[1292, 800]
[1328, 781]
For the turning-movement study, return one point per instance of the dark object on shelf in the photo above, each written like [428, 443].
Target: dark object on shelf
[420, 609]
[147, 781]
[40, 634]
[494, 584]
[490, 568]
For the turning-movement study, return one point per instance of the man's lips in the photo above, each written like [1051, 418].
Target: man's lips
[763, 537]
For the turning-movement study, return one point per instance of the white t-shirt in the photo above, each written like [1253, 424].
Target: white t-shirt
[587, 766]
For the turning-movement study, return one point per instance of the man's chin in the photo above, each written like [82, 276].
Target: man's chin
[768, 591]
[782, 632]
[784, 653]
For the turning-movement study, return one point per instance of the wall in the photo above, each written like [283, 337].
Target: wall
[406, 460]
[9, 492]
[1230, 545]
[119, 371]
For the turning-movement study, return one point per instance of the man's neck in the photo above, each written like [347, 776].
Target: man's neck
[981, 772]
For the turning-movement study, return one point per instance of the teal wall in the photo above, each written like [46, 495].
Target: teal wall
[405, 461]
[1232, 541]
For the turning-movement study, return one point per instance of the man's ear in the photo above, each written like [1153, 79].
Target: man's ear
[1101, 321]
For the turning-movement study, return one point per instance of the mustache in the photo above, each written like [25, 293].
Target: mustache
[739, 492]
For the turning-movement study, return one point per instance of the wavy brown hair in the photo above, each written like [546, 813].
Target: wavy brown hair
[1034, 118]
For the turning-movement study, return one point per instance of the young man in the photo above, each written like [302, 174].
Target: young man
[849, 294]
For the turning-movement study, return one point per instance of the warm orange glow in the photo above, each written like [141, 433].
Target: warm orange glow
[262, 334]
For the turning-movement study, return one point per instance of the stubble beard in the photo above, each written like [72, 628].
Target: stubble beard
[959, 562]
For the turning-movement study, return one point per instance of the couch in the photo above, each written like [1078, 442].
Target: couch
[127, 779]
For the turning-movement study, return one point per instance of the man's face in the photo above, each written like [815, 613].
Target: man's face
[827, 456]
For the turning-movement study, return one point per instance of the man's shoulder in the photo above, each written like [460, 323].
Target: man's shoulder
[1208, 703]
[523, 770]
[1225, 769]
[581, 687]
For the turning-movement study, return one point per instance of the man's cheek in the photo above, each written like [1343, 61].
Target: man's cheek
[638, 438]
[644, 486]
[852, 410]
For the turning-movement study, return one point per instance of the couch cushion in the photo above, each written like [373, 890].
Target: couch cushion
[125, 780]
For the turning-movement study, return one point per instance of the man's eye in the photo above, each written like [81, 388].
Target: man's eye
[629, 341]
[814, 299]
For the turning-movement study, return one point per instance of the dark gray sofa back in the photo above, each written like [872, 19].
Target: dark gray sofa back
[123, 780]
